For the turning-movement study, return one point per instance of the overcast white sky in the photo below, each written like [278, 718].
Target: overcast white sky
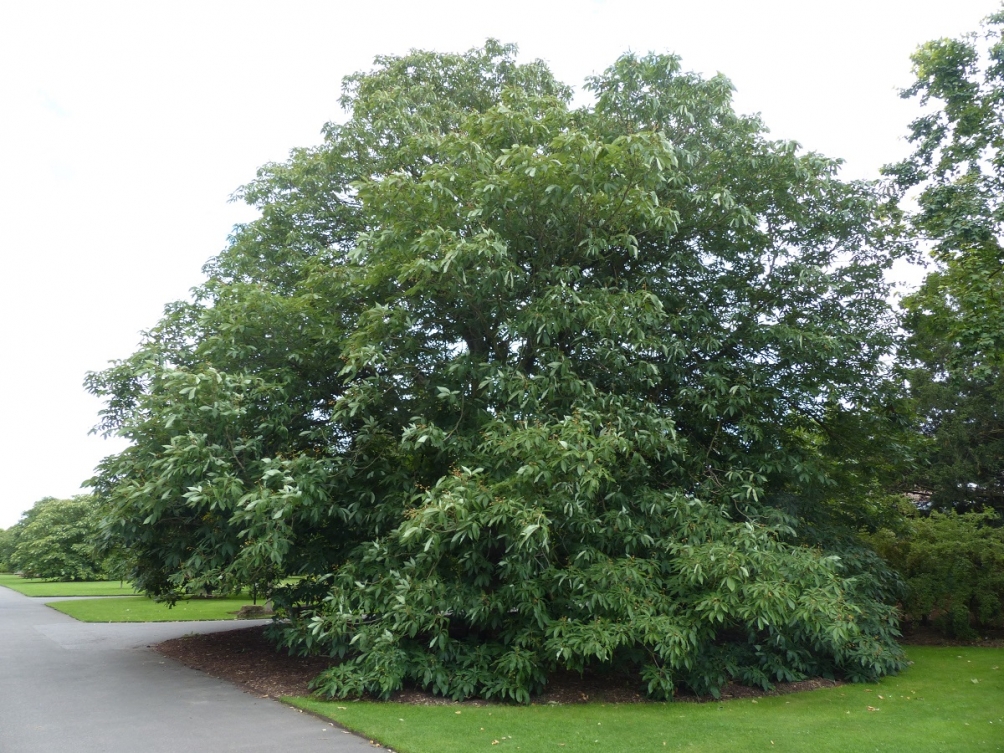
[125, 127]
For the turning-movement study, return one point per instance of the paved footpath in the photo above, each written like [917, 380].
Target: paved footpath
[97, 688]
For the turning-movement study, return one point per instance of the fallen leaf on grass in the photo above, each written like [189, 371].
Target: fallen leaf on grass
[872, 708]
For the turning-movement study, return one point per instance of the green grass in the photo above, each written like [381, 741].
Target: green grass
[38, 587]
[144, 609]
[951, 699]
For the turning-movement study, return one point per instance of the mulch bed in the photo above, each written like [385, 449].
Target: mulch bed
[246, 658]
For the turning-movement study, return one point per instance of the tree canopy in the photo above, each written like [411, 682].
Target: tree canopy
[516, 386]
[955, 321]
[56, 540]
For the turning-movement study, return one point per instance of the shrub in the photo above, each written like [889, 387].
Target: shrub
[953, 566]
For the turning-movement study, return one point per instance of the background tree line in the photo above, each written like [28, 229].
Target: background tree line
[512, 386]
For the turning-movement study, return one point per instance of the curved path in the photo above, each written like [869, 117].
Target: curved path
[90, 688]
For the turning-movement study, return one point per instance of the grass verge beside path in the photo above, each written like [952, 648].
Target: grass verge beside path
[949, 700]
[39, 587]
[144, 609]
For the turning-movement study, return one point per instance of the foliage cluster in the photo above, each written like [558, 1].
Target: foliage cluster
[516, 386]
[55, 540]
[953, 565]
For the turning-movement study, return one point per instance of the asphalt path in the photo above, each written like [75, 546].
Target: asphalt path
[99, 688]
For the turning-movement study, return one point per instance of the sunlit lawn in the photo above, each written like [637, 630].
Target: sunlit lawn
[38, 587]
[951, 699]
[143, 609]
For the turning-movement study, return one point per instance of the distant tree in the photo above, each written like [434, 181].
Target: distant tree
[56, 540]
[955, 322]
[6, 549]
[516, 387]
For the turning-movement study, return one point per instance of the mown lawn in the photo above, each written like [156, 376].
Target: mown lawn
[951, 699]
[38, 587]
[144, 609]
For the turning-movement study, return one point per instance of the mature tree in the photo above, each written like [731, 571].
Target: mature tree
[955, 321]
[519, 387]
[56, 540]
[6, 548]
